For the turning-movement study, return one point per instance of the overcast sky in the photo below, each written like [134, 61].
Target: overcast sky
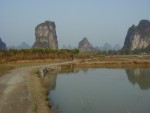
[100, 21]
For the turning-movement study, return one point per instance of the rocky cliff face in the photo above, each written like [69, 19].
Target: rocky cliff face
[138, 37]
[2, 45]
[46, 37]
[85, 45]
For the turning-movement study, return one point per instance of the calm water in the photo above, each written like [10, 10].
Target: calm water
[102, 91]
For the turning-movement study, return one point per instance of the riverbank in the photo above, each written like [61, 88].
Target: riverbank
[121, 61]
[16, 90]
[37, 86]
[38, 94]
[105, 62]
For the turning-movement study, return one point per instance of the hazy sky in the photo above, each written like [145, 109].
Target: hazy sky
[99, 20]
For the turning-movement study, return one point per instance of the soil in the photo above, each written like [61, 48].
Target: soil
[14, 96]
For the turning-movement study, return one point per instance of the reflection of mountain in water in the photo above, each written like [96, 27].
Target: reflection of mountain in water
[50, 78]
[139, 76]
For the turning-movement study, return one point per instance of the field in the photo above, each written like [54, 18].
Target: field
[116, 61]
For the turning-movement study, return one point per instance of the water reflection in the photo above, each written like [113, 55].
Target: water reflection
[100, 91]
[71, 70]
[85, 70]
[140, 77]
[51, 78]
[135, 76]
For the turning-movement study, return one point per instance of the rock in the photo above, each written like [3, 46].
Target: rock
[85, 45]
[46, 37]
[138, 37]
[2, 45]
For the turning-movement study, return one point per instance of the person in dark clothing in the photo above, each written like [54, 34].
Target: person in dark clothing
[71, 55]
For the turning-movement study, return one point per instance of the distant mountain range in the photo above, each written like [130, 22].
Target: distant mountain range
[86, 46]
[67, 47]
[23, 45]
[137, 38]
[107, 47]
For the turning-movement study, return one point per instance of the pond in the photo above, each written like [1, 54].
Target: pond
[100, 90]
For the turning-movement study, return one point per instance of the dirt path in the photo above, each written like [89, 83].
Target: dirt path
[14, 97]
[13, 91]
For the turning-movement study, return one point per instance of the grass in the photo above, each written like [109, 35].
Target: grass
[120, 61]
[39, 90]
[38, 94]
[4, 68]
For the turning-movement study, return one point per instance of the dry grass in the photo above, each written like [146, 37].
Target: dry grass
[30, 55]
[4, 68]
[38, 95]
[115, 62]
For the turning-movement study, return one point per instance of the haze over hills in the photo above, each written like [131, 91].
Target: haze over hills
[99, 20]
[117, 47]
[23, 45]
[107, 47]
[86, 46]
[68, 47]
[138, 37]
